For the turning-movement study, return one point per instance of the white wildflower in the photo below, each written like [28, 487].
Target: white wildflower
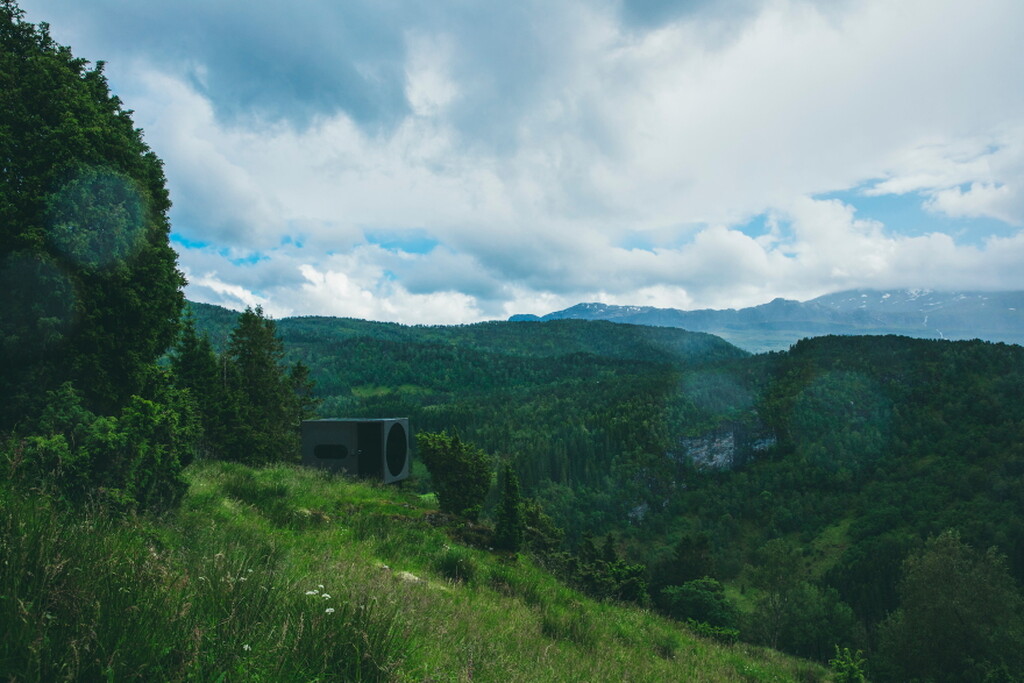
[321, 586]
[326, 596]
[312, 592]
[329, 610]
[247, 647]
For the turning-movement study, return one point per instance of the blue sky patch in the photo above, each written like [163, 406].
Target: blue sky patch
[178, 238]
[905, 215]
[409, 241]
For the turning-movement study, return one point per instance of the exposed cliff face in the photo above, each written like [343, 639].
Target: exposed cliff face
[725, 448]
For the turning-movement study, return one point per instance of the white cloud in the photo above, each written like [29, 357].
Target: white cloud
[532, 169]
[332, 292]
[429, 87]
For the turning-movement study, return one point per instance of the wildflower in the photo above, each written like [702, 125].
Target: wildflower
[326, 596]
[247, 647]
[314, 592]
[329, 610]
[321, 586]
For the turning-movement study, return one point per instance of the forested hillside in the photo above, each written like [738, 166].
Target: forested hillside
[854, 500]
[853, 460]
[585, 410]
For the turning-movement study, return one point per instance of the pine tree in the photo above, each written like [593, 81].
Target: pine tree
[196, 367]
[509, 525]
[272, 399]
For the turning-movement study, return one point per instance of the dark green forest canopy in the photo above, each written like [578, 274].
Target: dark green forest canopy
[530, 339]
[91, 288]
[870, 445]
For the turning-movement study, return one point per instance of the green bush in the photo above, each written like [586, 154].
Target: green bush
[130, 461]
[461, 472]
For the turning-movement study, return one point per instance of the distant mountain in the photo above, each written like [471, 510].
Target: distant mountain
[774, 326]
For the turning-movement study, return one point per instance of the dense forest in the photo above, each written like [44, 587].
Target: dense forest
[854, 500]
[849, 459]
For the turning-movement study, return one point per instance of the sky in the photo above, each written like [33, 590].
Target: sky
[451, 161]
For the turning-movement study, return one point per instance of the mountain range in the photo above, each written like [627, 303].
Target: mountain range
[776, 325]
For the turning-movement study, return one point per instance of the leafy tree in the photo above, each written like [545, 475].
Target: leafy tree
[792, 613]
[509, 526]
[960, 616]
[461, 472]
[603, 573]
[847, 666]
[779, 575]
[92, 294]
[702, 600]
[690, 559]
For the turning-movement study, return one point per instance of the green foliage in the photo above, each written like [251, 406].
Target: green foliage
[250, 400]
[510, 526]
[604, 574]
[691, 559]
[723, 634]
[461, 472]
[888, 440]
[701, 600]
[792, 613]
[540, 533]
[847, 666]
[131, 461]
[960, 616]
[268, 410]
[91, 289]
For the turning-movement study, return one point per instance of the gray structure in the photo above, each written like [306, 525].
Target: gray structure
[368, 448]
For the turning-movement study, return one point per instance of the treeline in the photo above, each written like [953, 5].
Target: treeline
[250, 401]
[586, 432]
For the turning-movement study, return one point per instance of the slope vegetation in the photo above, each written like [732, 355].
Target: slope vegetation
[286, 574]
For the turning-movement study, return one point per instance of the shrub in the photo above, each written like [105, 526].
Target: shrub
[461, 472]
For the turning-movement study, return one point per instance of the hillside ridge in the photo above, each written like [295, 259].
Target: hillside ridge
[776, 325]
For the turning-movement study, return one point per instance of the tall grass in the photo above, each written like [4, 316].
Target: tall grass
[282, 574]
[97, 599]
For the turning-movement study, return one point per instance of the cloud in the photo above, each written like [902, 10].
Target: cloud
[549, 153]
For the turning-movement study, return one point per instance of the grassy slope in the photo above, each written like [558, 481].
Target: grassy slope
[221, 587]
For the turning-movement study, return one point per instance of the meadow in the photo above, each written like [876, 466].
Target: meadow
[282, 573]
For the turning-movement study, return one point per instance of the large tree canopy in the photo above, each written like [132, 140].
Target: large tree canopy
[92, 294]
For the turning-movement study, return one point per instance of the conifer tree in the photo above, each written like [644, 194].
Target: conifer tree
[269, 410]
[461, 472]
[509, 525]
[91, 291]
[197, 367]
